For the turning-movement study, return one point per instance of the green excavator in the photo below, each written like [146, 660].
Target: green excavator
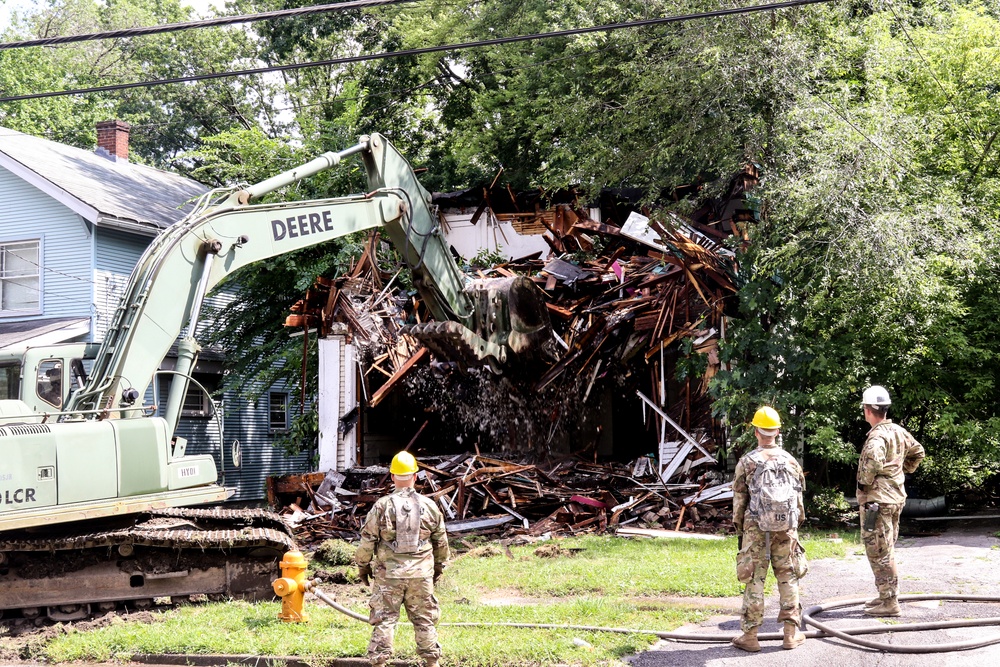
[100, 504]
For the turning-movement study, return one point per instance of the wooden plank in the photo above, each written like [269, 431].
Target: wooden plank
[397, 376]
[650, 532]
[670, 421]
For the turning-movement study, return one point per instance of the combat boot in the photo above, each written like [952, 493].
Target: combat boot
[747, 641]
[886, 607]
[432, 662]
[874, 602]
[793, 638]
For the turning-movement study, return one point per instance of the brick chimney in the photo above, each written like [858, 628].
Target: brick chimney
[112, 139]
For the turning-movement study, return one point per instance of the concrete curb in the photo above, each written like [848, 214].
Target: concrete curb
[203, 660]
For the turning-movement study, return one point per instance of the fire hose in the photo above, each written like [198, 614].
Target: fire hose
[822, 629]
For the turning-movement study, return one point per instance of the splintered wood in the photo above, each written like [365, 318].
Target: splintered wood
[489, 496]
[634, 302]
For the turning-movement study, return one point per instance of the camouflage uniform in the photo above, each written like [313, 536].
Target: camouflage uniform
[889, 452]
[403, 578]
[786, 554]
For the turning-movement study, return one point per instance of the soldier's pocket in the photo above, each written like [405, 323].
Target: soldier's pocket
[744, 565]
[800, 566]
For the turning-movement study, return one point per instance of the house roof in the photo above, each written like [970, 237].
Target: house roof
[105, 192]
[43, 332]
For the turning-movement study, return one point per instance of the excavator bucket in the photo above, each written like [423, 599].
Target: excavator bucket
[511, 317]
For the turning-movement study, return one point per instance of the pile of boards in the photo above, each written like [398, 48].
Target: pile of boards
[625, 311]
[484, 495]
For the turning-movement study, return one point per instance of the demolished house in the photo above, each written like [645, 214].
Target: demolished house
[612, 427]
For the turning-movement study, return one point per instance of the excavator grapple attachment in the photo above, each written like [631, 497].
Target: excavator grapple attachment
[510, 317]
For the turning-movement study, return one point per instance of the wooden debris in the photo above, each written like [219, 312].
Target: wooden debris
[490, 496]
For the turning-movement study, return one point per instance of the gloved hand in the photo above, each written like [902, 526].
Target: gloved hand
[365, 573]
[438, 571]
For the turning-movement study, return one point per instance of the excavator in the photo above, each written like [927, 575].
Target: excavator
[100, 505]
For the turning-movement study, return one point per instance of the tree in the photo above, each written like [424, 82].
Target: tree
[167, 120]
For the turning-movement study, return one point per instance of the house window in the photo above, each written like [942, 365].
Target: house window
[278, 411]
[20, 278]
[197, 403]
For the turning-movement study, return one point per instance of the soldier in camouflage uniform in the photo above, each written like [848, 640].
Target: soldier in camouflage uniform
[889, 452]
[404, 537]
[757, 547]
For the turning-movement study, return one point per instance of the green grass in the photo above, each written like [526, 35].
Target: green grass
[612, 582]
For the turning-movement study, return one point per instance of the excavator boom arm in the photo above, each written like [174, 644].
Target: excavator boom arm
[165, 291]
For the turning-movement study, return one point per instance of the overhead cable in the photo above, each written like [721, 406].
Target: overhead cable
[204, 23]
[420, 51]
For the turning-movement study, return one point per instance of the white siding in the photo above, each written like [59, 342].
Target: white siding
[66, 246]
[489, 234]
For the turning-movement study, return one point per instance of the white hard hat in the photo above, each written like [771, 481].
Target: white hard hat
[876, 395]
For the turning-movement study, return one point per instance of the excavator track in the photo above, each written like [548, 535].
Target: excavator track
[169, 553]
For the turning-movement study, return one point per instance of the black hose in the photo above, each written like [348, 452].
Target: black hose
[807, 618]
[823, 630]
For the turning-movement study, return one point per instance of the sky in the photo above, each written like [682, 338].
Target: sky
[7, 7]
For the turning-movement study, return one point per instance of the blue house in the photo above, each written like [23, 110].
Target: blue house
[73, 225]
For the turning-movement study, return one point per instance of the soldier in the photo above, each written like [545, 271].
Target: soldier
[767, 511]
[888, 452]
[404, 535]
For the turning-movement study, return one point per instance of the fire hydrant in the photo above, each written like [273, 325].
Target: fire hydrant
[291, 588]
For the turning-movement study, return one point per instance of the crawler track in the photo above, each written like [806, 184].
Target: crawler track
[175, 552]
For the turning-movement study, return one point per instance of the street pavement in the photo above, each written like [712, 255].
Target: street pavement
[964, 558]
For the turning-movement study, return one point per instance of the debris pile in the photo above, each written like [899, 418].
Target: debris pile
[489, 496]
[637, 308]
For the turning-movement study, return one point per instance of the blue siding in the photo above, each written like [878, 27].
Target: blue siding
[247, 423]
[66, 244]
[115, 255]
[118, 252]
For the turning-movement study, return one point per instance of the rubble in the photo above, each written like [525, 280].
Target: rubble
[489, 496]
[632, 300]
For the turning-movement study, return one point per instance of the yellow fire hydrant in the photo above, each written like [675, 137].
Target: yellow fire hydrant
[291, 587]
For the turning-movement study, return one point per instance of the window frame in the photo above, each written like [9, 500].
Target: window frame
[208, 404]
[57, 365]
[271, 427]
[39, 304]
[207, 408]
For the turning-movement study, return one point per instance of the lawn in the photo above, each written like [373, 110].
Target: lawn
[591, 581]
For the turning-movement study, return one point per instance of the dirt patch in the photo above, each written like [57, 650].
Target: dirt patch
[25, 639]
[487, 551]
[554, 551]
[504, 597]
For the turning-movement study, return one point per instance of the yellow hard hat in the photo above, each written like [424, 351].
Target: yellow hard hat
[403, 464]
[766, 417]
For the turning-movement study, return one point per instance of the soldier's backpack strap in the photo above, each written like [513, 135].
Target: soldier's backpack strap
[408, 510]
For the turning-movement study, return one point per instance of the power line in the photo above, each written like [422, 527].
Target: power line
[204, 23]
[927, 66]
[420, 51]
[396, 92]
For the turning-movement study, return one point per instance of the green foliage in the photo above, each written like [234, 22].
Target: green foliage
[302, 434]
[487, 258]
[829, 507]
[873, 257]
[943, 475]
[167, 120]
[333, 552]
